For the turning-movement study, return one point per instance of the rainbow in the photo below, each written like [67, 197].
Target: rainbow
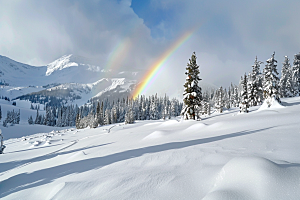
[118, 54]
[157, 66]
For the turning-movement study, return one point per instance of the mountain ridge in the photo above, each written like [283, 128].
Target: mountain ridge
[76, 73]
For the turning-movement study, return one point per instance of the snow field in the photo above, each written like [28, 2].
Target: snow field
[224, 156]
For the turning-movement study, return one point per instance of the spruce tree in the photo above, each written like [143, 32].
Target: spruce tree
[296, 75]
[244, 96]
[270, 84]
[77, 124]
[192, 95]
[256, 82]
[253, 91]
[100, 115]
[30, 120]
[285, 83]
[37, 118]
[219, 100]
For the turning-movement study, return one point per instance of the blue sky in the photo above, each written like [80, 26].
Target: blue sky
[154, 16]
[231, 34]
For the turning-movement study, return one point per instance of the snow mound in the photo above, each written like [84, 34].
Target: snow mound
[76, 156]
[169, 123]
[216, 125]
[55, 190]
[255, 178]
[272, 103]
[35, 144]
[155, 135]
[196, 127]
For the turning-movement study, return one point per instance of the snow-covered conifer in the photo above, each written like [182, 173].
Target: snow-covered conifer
[154, 108]
[253, 93]
[219, 100]
[236, 97]
[296, 74]
[270, 84]
[129, 116]
[77, 124]
[206, 108]
[192, 95]
[107, 115]
[59, 117]
[244, 96]
[226, 99]
[286, 83]
[37, 118]
[256, 81]
[4, 124]
[30, 120]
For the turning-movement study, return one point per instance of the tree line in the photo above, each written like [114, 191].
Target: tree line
[253, 89]
[99, 113]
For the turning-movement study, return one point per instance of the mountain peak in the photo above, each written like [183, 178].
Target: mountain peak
[61, 63]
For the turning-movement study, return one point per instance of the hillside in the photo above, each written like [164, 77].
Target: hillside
[72, 79]
[224, 156]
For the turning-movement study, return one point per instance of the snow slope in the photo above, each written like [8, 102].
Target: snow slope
[224, 156]
[70, 71]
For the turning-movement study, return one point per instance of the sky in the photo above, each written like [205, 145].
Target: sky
[227, 35]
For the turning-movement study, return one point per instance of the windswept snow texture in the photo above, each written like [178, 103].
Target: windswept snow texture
[252, 156]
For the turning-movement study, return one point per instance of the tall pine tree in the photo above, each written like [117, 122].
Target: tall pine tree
[270, 84]
[286, 83]
[192, 95]
[296, 74]
[244, 104]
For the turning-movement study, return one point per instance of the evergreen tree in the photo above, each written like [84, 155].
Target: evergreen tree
[256, 83]
[59, 117]
[4, 124]
[100, 116]
[37, 118]
[107, 119]
[226, 99]
[270, 84]
[42, 120]
[30, 120]
[192, 95]
[253, 91]
[296, 74]
[129, 116]
[48, 119]
[206, 108]
[236, 99]
[286, 83]
[219, 100]
[18, 118]
[0, 113]
[244, 96]
[154, 108]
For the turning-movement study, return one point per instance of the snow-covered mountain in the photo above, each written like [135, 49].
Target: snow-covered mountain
[83, 79]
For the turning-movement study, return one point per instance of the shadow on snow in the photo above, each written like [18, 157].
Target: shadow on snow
[24, 181]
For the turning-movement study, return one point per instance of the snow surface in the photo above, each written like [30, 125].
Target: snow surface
[224, 156]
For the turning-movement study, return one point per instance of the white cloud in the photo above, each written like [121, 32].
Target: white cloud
[232, 33]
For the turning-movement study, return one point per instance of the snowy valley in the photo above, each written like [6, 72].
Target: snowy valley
[225, 156]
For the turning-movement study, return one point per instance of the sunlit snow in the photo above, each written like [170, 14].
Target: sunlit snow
[224, 156]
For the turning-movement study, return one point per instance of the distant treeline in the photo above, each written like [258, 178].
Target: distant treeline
[105, 112]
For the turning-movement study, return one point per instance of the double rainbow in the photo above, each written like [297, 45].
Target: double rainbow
[157, 66]
[118, 54]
